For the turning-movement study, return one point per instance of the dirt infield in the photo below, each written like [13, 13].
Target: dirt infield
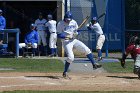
[54, 81]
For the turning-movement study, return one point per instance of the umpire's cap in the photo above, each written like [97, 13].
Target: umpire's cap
[49, 16]
[68, 16]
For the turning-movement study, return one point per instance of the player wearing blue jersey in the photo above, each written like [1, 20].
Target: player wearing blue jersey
[95, 26]
[2, 26]
[67, 29]
[31, 39]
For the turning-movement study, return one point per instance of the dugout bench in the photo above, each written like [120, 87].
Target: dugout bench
[6, 32]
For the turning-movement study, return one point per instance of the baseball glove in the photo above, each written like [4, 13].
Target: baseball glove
[123, 60]
[123, 63]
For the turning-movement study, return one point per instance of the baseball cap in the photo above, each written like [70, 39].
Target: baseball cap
[1, 11]
[40, 13]
[49, 16]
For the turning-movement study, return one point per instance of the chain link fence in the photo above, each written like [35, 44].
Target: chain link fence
[82, 8]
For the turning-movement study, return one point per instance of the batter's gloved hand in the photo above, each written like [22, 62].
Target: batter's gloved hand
[123, 63]
[68, 37]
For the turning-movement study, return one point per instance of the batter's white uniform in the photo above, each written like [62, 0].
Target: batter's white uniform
[51, 24]
[70, 29]
[99, 33]
[40, 26]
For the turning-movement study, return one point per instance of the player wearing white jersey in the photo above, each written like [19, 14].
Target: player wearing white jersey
[94, 25]
[40, 27]
[51, 24]
[66, 30]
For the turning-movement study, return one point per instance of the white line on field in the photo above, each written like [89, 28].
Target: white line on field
[20, 85]
[12, 77]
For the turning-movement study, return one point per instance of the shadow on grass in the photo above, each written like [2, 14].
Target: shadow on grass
[125, 77]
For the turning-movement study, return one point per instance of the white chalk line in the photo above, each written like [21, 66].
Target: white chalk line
[12, 77]
[6, 86]
[25, 78]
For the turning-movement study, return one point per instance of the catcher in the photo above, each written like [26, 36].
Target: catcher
[133, 49]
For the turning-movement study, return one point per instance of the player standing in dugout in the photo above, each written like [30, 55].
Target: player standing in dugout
[51, 24]
[40, 27]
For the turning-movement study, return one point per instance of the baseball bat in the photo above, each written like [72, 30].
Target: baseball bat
[55, 9]
[86, 19]
[101, 16]
[83, 22]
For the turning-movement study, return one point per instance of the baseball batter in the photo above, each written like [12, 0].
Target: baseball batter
[66, 31]
[40, 26]
[134, 50]
[51, 24]
[94, 26]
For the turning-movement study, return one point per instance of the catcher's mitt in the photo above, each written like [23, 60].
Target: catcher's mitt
[123, 63]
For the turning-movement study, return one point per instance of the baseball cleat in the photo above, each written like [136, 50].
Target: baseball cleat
[51, 55]
[65, 75]
[99, 59]
[95, 66]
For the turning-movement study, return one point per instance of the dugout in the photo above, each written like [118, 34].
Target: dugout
[20, 14]
[121, 19]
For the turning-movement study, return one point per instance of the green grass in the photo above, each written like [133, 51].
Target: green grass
[54, 65]
[31, 65]
[115, 67]
[67, 92]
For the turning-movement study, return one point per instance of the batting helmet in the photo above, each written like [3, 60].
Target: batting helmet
[94, 18]
[68, 16]
[49, 16]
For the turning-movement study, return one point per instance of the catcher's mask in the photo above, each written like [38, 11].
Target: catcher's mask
[133, 39]
[137, 41]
